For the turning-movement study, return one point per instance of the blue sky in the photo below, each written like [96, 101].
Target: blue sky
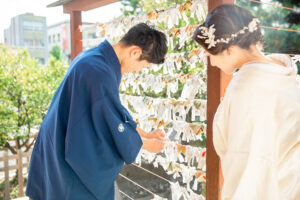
[11, 8]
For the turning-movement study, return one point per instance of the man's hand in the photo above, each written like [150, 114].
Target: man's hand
[153, 145]
[157, 134]
[153, 142]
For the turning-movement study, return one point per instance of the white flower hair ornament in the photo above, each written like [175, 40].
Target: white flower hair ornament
[208, 33]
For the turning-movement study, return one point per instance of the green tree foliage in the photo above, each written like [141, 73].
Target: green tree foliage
[276, 41]
[131, 7]
[150, 5]
[136, 7]
[26, 90]
[56, 52]
[293, 18]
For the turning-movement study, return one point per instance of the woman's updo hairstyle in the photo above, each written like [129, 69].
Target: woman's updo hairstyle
[228, 20]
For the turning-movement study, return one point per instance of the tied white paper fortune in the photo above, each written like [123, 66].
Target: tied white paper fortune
[169, 164]
[116, 29]
[156, 83]
[179, 192]
[156, 197]
[190, 88]
[153, 113]
[173, 62]
[296, 59]
[170, 17]
[179, 130]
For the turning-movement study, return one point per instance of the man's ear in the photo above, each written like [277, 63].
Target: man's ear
[135, 52]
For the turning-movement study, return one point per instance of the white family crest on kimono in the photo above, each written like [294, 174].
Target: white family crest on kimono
[257, 133]
[209, 33]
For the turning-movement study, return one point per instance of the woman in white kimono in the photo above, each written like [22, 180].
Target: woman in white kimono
[257, 125]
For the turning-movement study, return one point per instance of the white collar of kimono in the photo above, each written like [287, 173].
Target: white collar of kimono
[290, 69]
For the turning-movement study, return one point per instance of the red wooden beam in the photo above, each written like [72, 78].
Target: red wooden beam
[217, 82]
[74, 8]
[84, 5]
[76, 35]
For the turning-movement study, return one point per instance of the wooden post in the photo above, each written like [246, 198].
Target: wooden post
[27, 162]
[20, 174]
[76, 35]
[6, 172]
[217, 82]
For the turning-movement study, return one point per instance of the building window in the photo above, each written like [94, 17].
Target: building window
[58, 37]
[33, 25]
[42, 60]
[92, 35]
[26, 43]
[32, 43]
[49, 38]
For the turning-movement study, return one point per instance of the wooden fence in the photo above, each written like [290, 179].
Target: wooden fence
[7, 168]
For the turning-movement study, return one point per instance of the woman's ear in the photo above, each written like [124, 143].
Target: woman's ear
[206, 52]
[230, 50]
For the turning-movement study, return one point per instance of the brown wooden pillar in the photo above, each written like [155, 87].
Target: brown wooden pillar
[216, 85]
[76, 35]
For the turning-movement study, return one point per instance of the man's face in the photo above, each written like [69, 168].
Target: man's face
[138, 65]
[132, 62]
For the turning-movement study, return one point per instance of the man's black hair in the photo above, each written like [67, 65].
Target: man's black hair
[152, 42]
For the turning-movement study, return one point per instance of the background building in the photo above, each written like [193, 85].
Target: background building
[29, 31]
[59, 35]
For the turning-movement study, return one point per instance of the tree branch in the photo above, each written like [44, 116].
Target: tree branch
[10, 94]
[18, 142]
[30, 145]
[24, 144]
[7, 145]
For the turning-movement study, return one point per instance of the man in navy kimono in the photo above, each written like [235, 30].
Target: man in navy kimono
[87, 134]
